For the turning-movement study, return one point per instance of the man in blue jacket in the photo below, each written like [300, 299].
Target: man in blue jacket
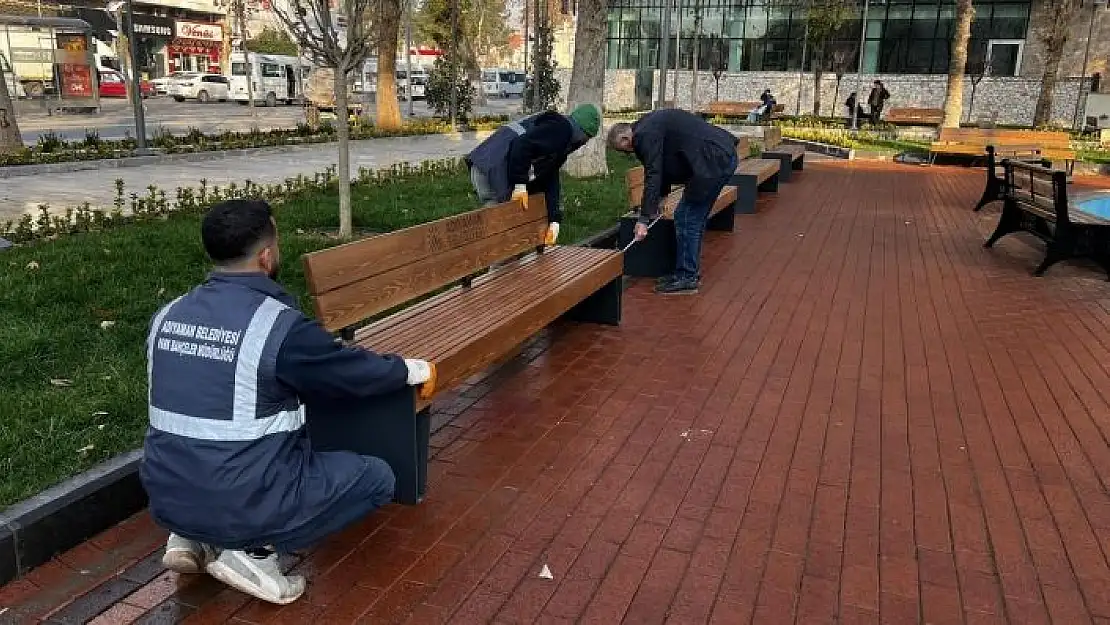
[227, 463]
[678, 147]
[540, 144]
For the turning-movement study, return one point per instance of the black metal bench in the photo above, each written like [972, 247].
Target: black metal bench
[995, 175]
[1035, 200]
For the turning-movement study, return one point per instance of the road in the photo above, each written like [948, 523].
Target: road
[23, 194]
[115, 121]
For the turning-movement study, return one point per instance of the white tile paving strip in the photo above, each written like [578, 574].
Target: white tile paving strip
[62, 190]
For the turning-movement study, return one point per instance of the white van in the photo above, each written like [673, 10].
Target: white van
[502, 82]
[276, 78]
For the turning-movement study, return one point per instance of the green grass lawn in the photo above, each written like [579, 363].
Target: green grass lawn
[74, 311]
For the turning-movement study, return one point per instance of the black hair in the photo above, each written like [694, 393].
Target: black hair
[233, 229]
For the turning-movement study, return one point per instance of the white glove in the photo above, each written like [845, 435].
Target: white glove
[419, 371]
[552, 233]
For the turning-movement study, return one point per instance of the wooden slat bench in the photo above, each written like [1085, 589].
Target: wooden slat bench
[1035, 200]
[791, 157]
[973, 142]
[655, 255]
[732, 108]
[471, 318]
[915, 116]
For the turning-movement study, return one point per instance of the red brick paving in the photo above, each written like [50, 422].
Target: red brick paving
[864, 418]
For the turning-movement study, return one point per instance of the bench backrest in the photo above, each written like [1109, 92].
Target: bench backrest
[1042, 187]
[924, 115]
[728, 107]
[1003, 137]
[352, 282]
[634, 178]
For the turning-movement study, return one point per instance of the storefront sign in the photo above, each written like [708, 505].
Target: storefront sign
[154, 26]
[202, 32]
[32, 55]
[76, 81]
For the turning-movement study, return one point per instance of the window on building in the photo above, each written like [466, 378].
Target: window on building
[903, 36]
[271, 70]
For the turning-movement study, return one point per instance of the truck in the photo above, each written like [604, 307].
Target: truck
[319, 94]
[47, 54]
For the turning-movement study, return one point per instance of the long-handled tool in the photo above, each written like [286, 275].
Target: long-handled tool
[634, 241]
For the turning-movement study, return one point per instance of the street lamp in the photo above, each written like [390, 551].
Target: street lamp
[859, 64]
[128, 25]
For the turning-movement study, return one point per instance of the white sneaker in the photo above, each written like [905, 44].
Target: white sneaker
[186, 556]
[258, 577]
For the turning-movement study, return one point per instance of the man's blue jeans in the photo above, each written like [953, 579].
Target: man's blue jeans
[689, 227]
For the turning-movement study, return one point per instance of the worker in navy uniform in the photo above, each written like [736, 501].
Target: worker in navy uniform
[678, 147]
[228, 464]
[500, 166]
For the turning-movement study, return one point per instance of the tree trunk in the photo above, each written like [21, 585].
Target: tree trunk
[587, 84]
[241, 17]
[1043, 114]
[389, 30]
[10, 139]
[818, 65]
[954, 96]
[343, 133]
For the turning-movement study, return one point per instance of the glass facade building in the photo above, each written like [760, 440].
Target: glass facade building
[903, 36]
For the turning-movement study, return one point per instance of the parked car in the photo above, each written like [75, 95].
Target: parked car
[112, 85]
[162, 85]
[201, 87]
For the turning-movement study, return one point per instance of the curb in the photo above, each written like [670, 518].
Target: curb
[834, 151]
[63, 516]
[15, 171]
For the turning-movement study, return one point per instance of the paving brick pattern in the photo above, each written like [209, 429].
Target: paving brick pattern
[863, 418]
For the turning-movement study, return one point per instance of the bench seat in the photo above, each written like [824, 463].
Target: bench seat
[790, 157]
[912, 115]
[461, 329]
[462, 293]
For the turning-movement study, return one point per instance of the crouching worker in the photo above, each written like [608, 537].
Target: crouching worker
[228, 464]
[500, 165]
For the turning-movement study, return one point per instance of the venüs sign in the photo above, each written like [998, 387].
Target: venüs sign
[194, 30]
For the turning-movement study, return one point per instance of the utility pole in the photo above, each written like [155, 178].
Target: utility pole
[677, 50]
[697, 53]
[664, 42]
[136, 83]
[523, 95]
[1077, 121]
[408, 55]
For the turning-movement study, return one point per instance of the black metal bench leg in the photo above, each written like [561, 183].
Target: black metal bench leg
[1060, 247]
[723, 221]
[387, 427]
[783, 158]
[652, 257]
[747, 192]
[1054, 255]
[991, 193]
[771, 184]
[800, 163]
[1009, 221]
[603, 307]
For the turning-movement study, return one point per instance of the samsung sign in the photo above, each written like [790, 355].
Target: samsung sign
[152, 26]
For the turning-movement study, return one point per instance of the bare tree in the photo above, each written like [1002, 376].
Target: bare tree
[587, 84]
[841, 61]
[342, 49]
[10, 138]
[1054, 35]
[824, 19]
[957, 64]
[241, 10]
[389, 32]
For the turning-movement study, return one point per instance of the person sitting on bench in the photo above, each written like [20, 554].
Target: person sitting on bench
[227, 463]
[500, 165]
[678, 147]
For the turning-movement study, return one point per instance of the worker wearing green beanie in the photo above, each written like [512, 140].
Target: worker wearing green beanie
[523, 158]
